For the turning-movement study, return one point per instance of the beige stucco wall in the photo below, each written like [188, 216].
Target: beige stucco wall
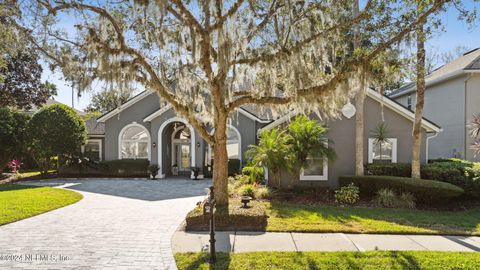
[472, 107]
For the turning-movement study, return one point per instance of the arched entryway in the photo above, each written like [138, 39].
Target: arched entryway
[176, 147]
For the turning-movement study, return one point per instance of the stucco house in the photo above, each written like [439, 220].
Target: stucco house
[452, 97]
[142, 128]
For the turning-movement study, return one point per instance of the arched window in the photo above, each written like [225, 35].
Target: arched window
[233, 143]
[134, 142]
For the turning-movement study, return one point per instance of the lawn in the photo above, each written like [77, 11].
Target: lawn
[19, 202]
[333, 260]
[288, 217]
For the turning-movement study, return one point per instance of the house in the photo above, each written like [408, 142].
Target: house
[142, 128]
[452, 96]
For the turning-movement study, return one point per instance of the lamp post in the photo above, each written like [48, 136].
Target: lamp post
[209, 209]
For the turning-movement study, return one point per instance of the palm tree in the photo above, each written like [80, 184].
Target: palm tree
[307, 139]
[475, 134]
[272, 152]
[380, 136]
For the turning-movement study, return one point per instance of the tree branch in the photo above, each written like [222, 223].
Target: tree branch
[233, 9]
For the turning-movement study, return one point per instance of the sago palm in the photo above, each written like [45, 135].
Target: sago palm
[380, 136]
[272, 152]
[307, 139]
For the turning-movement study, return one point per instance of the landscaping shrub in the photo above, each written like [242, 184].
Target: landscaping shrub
[256, 173]
[349, 194]
[387, 197]
[458, 172]
[253, 218]
[125, 167]
[262, 193]
[389, 169]
[13, 136]
[55, 130]
[420, 188]
[233, 166]
[247, 190]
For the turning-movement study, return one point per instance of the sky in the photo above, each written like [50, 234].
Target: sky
[457, 33]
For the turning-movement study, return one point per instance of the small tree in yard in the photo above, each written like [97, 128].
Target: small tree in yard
[208, 58]
[475, 134]
[273, 152]
[12, 136]
[380, 136]
[54, 131]
[307, 139]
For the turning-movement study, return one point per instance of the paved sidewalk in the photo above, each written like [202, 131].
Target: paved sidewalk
[269, 241]
[119, 224]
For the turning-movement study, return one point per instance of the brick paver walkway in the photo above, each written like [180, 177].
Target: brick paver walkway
[119, 224]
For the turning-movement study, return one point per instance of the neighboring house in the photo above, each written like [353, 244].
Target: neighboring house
[143, 128]
[452, 96]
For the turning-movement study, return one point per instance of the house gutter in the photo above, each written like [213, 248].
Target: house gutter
[428, 142]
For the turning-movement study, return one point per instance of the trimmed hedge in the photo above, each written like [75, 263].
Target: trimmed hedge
[462, 173]
[424, 190]
[233, 167]
[253, 218]
[123, 167]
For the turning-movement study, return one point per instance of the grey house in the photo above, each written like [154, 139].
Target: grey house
[142, 128]
[452, 96]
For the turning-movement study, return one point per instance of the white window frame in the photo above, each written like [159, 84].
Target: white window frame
[149, 141]
[99, 141]
[371, 141]
[323, 177]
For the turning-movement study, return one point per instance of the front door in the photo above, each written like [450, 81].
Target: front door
[182, 158]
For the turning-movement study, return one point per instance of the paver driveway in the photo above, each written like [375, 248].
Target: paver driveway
[119, 224]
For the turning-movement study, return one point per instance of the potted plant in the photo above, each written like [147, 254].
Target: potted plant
[153, 169]
[195, 171]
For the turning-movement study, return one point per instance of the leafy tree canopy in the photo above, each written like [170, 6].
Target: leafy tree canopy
[108, 100]
[55, 130]
[13, 135]
[21, 86]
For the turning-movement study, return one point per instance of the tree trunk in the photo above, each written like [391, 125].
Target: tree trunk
[220, 163]
[359, 102]
[416, 138]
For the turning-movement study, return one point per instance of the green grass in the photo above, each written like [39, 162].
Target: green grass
[332, 260]
[288, 217]
[32, 173]
[19, 202]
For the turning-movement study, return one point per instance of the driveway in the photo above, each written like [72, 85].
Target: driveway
[119, 224]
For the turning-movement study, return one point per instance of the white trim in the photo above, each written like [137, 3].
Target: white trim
[440, 79]
[192, 142]
[429, 127]
[122, 107]
[323, 177]
[99, 145]
[134, 124]
[427, 145]
[278, 122]
[239, 142]
[157, 113]
[252, 116]
[394, 149]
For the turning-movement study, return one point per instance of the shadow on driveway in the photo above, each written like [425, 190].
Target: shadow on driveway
[147, 190]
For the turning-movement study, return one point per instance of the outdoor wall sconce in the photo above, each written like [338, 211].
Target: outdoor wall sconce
[198, 144]
[154, 144]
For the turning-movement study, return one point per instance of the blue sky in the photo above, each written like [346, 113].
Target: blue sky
[457, 33]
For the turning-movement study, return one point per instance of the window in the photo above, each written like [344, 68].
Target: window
[382, 152]
[315, 169]
[134, 142]
[233, 143]
[409, 102]
[93, 150]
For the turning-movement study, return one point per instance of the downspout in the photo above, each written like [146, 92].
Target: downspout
[427, 143]
[465, 117]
